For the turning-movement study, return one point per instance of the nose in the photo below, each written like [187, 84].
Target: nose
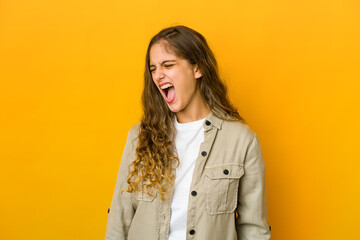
[158, 75]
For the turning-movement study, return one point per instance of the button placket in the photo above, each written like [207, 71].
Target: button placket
[210, 133]
[164, 217]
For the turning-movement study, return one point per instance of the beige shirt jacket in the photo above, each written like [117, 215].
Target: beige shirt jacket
[229, 176]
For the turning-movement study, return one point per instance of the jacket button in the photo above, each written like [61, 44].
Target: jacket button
[192, 232]
[226, 172]
[194, 193]
[207, 123]
[108, 210]
[203, 153]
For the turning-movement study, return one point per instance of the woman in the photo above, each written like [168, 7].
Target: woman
[192, 168]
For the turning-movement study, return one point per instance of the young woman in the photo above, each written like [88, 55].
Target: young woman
[192, 168]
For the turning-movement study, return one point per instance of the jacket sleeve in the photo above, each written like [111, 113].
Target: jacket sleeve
[252, 220]
[121, 210]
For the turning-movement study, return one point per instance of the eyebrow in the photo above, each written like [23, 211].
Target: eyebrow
[163, 62]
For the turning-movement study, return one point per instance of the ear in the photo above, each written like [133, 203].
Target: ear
[197, 72]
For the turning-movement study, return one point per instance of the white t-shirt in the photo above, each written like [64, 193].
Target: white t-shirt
[189, 136]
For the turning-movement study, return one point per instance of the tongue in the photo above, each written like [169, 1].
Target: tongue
[171, 93]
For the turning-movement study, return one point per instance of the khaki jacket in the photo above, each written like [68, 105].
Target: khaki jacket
[229, 177]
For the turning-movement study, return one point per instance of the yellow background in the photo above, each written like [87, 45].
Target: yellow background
[71, 78]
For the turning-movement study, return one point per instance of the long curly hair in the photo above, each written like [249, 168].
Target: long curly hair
[156, 159]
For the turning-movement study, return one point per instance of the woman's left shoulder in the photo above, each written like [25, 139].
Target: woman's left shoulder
[238, 129]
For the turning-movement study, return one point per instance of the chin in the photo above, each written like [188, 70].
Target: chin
[174, 109]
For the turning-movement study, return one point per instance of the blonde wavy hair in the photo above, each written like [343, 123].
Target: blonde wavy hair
[156, 159]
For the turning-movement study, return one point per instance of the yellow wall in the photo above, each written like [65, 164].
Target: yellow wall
[71, 79]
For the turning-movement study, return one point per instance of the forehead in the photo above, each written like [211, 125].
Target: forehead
[160, 52]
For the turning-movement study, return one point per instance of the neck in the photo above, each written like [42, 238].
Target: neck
[195, 113]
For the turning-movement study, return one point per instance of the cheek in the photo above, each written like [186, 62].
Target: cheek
[155, 86]
[152, 79]
[185, 79]
[190, 82]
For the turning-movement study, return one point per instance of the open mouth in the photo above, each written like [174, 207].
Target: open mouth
[169, 92]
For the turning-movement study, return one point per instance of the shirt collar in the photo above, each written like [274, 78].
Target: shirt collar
[212, 120]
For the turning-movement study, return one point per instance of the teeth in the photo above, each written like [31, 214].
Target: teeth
[166, 86]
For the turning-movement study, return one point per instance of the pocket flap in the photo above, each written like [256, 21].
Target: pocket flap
[224, 171]
[144, 196]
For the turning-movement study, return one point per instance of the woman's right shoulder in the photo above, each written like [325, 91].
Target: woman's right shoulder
[132, 138]
[134, 131]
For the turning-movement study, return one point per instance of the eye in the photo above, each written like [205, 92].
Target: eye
[151, 70]
[169, 65]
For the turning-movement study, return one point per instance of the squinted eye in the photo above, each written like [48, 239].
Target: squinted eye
[169, 65]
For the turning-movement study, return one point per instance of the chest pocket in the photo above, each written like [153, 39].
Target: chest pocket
[143, 196]
[221, 187]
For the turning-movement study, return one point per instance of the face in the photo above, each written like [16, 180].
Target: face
[175, 78]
